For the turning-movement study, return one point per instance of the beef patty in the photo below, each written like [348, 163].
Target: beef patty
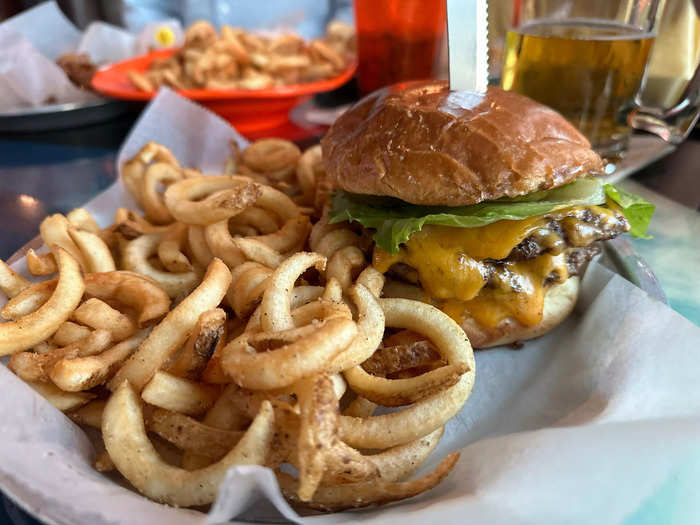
[576, 236]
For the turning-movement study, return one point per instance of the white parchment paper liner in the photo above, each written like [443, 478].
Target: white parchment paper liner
[597, 422]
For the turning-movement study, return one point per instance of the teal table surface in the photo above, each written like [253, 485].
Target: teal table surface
[674, 251]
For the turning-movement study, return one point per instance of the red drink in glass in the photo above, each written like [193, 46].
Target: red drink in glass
[397, 40]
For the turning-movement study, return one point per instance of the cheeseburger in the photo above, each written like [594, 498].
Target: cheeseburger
[485, 205]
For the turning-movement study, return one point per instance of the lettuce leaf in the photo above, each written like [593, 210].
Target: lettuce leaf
[395, 220]
[637, 210]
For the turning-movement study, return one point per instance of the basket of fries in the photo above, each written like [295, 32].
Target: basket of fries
[250, 80]
[224, 323]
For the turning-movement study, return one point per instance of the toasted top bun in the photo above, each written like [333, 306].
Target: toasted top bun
[423, 144]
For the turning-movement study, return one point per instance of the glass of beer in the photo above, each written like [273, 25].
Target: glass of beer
[587, 59]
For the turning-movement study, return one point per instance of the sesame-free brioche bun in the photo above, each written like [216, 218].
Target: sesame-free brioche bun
[425, 145]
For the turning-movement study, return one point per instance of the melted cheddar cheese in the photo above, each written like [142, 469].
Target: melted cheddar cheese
[452, 264]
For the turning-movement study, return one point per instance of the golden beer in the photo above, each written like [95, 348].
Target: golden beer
[588, 70]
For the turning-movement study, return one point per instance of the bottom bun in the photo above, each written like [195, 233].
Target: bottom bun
[558, 304]
[559, 301]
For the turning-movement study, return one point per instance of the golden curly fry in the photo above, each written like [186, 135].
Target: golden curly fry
[267, 371]
[37, 326]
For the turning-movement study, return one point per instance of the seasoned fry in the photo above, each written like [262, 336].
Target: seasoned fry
[133, 290]
[310, 163]
[11, 283]
[33, 328]
[287, 356]
[207, 335]
[179, 395]
[54, 232]
[248, 283]
[431, 412]
[28, 300]
[291, 237]
[401, 392]
[261, 219]
[401, 461]
[219, 240]
[320, 454]
[277, 202]
[213, 373]
[276, 314]
[81, 219]
[189, 434]
[223, 415]
[205, 200]
[317, 432]
[360, 407]
[376, 492]
[391, 359]
[70, 332]
[345, 264]
[333, 291]
[32, 366]
[157, 174]
[172, 332]
[41, 263]
[73, 374]
[170, 249]
[257, 251]
[370, 327]
[329, 239]
[97, 255]
[136, 258]
[198, 245]
[373, 280]
[133, 454]
[301, 296]
[63, 401]
[130, 224]
[274, 157]
[89, 415]
[95, 313]
[134, 169]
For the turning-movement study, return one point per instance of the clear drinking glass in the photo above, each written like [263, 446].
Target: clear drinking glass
[587, 59]
[397, 40]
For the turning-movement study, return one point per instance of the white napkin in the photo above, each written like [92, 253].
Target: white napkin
[31, 42]
[47, 28]
[106, 43]
[30, 79]
[597, 422]
[29, 45]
